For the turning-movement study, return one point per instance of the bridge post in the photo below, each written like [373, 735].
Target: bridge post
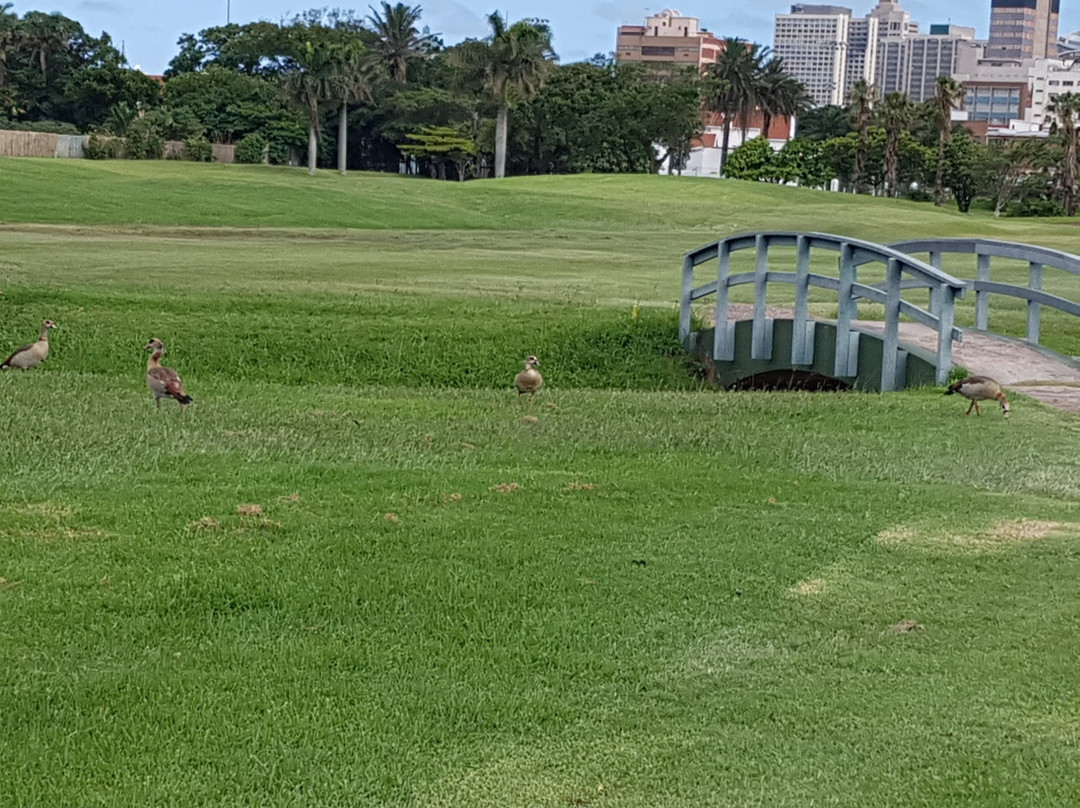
[935, 303]
[802, 345]
[845, 306]
[947, 296]
[982, 298]
[685, 298]
[1034, 310]
[761, 346]
[891, 346]
[724, 332]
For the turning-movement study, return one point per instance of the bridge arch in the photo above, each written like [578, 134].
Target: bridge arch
[902, 271]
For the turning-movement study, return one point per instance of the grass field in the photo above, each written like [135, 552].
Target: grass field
[647, 593]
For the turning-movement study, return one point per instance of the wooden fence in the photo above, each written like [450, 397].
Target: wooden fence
[45, 144]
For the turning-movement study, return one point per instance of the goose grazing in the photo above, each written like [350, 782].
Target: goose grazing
[32, 355]
[529, 380]
[979, 388]
[163, 382]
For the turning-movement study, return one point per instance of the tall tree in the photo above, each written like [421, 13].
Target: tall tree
[731, 87]
[862, 98]
[514, 62]
[895, 115]
[307, 83]
[779, 94]
[1066, 111]
[353, 81]
[823, 123]
[948, 95]
[399, 40]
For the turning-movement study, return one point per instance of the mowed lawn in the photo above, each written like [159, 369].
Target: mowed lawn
[632, 591]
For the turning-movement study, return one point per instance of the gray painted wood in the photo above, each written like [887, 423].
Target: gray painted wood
[845, 311]
[724, 338]
[802, 339]
[892, 326]
[761, 346]
[982, 297]
[1034, 308]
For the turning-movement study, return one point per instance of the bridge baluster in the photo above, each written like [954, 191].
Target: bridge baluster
[761, 345]
[802, 346]
[1034, 310]
[982, 299]
[724, 333]
[845, 306]
[946, 295]
[891, 346]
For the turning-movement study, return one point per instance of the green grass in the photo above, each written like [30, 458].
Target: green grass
[443, 602]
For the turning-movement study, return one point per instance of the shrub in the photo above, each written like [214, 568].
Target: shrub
[251, 148]
[198, 149]
[103, 147]
[144, 142]
[1034, 207]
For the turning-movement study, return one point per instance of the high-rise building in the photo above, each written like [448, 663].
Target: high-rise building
[1023, 29]
[946, 51]
[813, 42]
[894, 29]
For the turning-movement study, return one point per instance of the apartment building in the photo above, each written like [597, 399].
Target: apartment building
[668, 37]
[813, 41]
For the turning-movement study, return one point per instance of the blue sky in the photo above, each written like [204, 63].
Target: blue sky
[149, 29]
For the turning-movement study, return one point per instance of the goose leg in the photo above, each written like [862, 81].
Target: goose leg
[970, 407]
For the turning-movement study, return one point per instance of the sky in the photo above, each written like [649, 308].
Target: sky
[147, 30]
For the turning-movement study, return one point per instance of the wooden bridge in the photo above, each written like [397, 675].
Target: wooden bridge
[913, 343]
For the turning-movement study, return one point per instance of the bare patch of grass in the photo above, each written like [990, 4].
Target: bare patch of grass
[529, 419]
[812, 586]
[207, 523]
[906, 627]
[505, 488]
[575, 486]
[999, 535]
[392, 517]
[250, 509]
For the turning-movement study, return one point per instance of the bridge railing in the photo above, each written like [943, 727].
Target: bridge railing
[984, 250]
[903, 271]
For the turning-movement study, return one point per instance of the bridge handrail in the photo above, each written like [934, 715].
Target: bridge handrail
[944, 289]
[985, 249]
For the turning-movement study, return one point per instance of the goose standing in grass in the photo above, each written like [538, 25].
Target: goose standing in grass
[32, 355]
[163, 382]
[529, 380]
[979, 388]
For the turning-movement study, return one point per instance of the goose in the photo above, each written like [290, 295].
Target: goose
[529, 380]
[163, 382]
[979, 388]
[32, 355]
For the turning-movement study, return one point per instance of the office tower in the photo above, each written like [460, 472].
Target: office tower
[1023, 29]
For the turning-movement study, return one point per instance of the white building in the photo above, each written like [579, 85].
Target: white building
[813, 42]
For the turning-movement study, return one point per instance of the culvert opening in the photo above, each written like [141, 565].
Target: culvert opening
[803, 380]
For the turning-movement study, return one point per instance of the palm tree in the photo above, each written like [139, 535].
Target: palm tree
[399, 40]
[352, 81]
[8, 34]
[948, 95]
[46, 34]
[895, 114]
[307, 82]
[730, 87]
[1066, 111]
[514, 63]
[824, 123]
[862, 98]
[779, 94]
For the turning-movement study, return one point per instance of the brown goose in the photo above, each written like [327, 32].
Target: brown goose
[32, 355]
[529, 380]
[163, 382]
[979, 388]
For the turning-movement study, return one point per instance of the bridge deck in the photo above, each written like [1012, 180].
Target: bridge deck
[1014, 363]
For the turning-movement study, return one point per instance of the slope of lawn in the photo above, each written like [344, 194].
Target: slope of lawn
[359, 570]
